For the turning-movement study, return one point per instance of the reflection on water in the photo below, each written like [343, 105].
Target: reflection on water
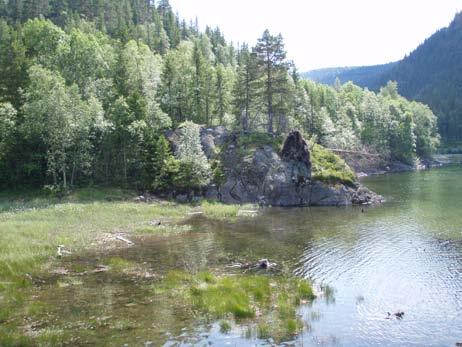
[403, 256]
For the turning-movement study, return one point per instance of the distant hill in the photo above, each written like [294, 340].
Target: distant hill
[432, 73]
[364, 76]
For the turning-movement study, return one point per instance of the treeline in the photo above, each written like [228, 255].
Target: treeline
[430, 74]
[88, 89]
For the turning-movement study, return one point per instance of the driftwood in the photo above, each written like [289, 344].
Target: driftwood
[100, 268]
[397, 315]
[62, 251]
[123, 239]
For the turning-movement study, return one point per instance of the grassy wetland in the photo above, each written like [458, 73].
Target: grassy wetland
[56, 251]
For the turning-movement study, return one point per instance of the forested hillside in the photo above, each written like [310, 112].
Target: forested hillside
[88, 89]
[363, 76]
[431, 74]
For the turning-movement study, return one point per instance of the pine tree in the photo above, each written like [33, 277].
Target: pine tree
[272, 61]
[245, 86]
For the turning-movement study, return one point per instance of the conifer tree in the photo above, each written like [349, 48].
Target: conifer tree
[272, 61]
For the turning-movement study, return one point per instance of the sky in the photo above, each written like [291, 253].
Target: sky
[328, 33]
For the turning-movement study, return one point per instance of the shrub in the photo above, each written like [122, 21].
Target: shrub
[329, 167]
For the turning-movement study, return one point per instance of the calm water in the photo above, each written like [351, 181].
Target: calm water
[404, 255]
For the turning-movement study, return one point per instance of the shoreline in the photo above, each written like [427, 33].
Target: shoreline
[437, 161]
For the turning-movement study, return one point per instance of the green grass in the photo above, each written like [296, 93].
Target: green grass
[255, 140]
[34, 224]
[41, 198]
[218, 210]
[225, 327]
[245, 299]
[30, 237]
[329, 167]
[117, 264]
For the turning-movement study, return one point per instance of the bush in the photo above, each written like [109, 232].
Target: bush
[329, 167]
[194, 171]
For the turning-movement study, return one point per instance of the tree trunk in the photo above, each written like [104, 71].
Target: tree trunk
[64, 177]
[73, 174]
[125, 164]
[269, 92]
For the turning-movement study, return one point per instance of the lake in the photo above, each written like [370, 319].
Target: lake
[405, 255]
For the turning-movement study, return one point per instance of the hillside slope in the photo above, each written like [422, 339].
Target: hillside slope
[364, 76]
[432, 73]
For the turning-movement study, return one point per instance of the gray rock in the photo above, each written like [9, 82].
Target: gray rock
[267, 178]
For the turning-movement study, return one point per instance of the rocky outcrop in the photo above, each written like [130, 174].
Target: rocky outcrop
[267, 177]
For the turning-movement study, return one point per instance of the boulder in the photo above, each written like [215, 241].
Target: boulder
[296, 149]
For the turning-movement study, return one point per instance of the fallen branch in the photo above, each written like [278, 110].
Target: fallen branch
[123, 239]
[353, 152]
[62, 251]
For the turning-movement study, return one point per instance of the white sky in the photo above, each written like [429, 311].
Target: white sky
[328, 33]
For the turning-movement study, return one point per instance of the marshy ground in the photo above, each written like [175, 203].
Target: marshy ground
[90, 267]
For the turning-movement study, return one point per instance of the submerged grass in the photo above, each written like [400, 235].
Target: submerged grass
[269, 302]
[33, 224]
[30, 238]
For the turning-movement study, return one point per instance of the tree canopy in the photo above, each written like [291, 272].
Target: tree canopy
[88, 89]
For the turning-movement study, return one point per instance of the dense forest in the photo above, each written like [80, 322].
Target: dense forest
[88, 89]
[363, 76]
[432, 74]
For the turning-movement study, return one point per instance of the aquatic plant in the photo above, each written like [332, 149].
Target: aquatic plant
[266, 304]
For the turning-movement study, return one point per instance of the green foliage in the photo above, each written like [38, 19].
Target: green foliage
[194, 170]
[218, 174]
[162, 165]
[7, 127]
[94, 96]
[351, 118]
[258, 139]
[271, 58]
[55, 114]
[329, 167]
